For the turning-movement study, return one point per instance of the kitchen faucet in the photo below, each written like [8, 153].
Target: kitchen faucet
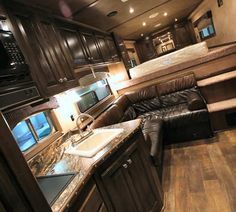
[79, 120]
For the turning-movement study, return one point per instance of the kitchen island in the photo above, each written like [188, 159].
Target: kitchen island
[128, 144]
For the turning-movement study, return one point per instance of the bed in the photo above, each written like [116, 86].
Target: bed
[186, 54]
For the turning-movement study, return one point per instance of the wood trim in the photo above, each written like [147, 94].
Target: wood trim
[15, 116]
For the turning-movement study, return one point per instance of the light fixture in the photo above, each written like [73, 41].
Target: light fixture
[111, 14]
[165, 14]
[144, 23]
[142, 35]
[124, 1]
[157, 25]
[93, 4]
[131, 10]
[176, 19]
[154, 15]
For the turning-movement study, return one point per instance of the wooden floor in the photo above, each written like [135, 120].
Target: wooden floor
[201, 176]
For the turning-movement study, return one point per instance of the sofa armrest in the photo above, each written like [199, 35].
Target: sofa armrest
[195, 102]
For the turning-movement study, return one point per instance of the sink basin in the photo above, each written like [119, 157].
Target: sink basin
[93, 144]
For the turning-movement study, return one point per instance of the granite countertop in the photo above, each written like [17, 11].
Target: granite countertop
[55, 161]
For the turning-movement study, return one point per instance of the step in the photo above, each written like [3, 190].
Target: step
[217, 79]
[222, 105]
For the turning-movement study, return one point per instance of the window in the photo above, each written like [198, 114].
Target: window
[205, 26]
[32, 130]
[92, 94]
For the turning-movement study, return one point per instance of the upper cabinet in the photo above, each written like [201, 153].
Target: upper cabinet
[92, 49]
[55, 47]
[72, 42]
[45, 56]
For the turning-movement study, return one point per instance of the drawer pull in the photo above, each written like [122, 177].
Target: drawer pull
[125, 166]
[129, 161]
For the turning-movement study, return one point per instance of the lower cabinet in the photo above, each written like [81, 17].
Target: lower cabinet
[89, 200]
[128, 183]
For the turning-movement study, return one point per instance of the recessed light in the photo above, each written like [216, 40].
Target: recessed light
[124, 1]
[131, 10]
[176, 19]
[154, 15]
[141, 35]
[165, 14]
[144, 24]
[93, 4]
[157, 25]
[111, 14]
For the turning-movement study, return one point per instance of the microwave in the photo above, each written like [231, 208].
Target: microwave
[16, 85]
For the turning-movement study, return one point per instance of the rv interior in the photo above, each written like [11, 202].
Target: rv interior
[117, 105]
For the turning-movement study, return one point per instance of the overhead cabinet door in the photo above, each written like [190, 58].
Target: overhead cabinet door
[93, 51]
[104, 48]
[72, 41]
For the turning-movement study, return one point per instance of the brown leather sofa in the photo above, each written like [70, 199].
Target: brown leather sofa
[172, 111]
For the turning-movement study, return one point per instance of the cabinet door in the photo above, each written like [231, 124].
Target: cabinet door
[49, 38]
[48, 65]
[117, 186]
[92, 49]
[142, 182]
[72, 41]
[112, 49]
[107, 57]
[88, 200]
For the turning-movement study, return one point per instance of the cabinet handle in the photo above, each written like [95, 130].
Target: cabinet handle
[125, 166]
[65, 79]
[60, 80]
[129, 161]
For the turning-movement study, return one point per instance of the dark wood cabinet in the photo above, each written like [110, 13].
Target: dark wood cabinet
[48, 60]
[112, 49]
[73, 43]
[92, 49]
[128, 184]
[104, 48]
[88, 200]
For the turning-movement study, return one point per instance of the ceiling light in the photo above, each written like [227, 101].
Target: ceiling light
[142, 35]
[93, 4]
[124, 1]
[176, 19]
[144, 23]
[157, 25]
[154, 15]
[131, 10]
[165, 14]
[111, 14]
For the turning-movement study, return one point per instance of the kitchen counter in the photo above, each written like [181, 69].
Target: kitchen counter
[53, 160]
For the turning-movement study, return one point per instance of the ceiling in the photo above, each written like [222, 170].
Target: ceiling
[125, 24]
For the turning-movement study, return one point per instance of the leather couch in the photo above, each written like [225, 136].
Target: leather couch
[171, 111]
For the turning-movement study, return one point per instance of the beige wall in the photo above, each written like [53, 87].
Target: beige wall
[223, 18]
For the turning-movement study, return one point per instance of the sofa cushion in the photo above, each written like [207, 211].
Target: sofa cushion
[147, 105]
[178, 84]
[142, 94]
[195, 101]
[179, 116]
[129, 114]
[176, 98]
[153, 131]
[123, 103]
[111, 116]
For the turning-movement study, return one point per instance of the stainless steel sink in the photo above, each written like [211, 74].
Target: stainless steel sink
[94, 143]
